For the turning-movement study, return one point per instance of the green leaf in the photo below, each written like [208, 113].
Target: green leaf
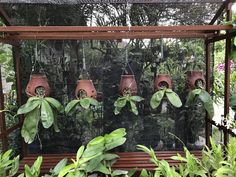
[37, 164]
[110, 156]
[85, 103]
[232, 101]
[117, 110]
[30, 125]
[119, 172]
[93, 164]
[133, 107]
[65, 170]
[156, 99]
[174, 99]
[103, 169]
[93, 101]
[60, 166]
[136, 98]
[191, 97]
[47, 116]
[116, 143]
[120, 102]
[205, 97]
[69, 109]
[79, 153]
[28, 107]
[56, 104]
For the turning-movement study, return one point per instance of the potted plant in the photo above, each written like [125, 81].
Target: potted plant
[127, 99]
[193, 79]
[38, 107]
[163, 88]
[200, 94]
[128, 84]
[85, 94]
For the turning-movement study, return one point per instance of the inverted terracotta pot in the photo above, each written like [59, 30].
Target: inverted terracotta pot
[193, 77]
[85, 88]
[162, 80]
[128, 83]
[37, 81]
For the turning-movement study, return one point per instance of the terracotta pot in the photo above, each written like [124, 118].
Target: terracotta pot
[36, 81]
[127, 82]
[193, 77]
[85, 88]
[162, 80]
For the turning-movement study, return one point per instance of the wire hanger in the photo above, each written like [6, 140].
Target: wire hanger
[84, 72]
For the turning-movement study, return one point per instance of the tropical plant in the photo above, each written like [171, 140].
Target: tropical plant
[83, 103]
[169, 93]
[56, 170]
[127, 100]
[95, 158]
[39, 108]
[33, 171]
[162, 167]
[205, 99]
[8, 166]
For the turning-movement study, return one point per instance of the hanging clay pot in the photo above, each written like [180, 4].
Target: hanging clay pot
[162, 80]
[128, 83]
[38, 85]
[85, 88]
[194, 78]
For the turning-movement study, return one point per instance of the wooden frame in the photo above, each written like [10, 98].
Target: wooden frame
[14, 34]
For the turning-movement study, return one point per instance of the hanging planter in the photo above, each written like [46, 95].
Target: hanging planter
[38, 85]
[85, 88]
[128, 84]
[195, 79]
[162, 81]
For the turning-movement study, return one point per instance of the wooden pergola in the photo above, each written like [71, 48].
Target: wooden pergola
[210, 33]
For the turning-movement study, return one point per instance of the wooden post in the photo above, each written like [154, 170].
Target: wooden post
[208, 126]
[2, 117]
[17, 63]
[227, 75]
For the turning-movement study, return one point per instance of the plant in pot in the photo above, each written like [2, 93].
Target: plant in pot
[38, 107]
[163, 88]
[128, 90]
[199, 94]
[85, 94]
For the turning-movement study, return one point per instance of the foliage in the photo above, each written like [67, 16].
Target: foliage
[8, 166]
[205, 98]
[95, 157]
[125, 100]
[171, 96]
[36, 109]
[33, 171]
[56, 170]
[83, 103]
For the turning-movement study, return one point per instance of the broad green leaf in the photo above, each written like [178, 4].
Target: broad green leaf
[93, 101]
[116, 143]
[94, 163]
[30, 125]
[143, 148]
[156, 98]
[37, 164]
[136, 98]
[110, 156]
[119, 172]
[103, 169]
[93, 150]
[97, 140]
[79, 153]
[69, 109]
[55, 123]
[65, 170]
[85, 103]
[117, 110]
[120, 102]
[205, 97]
[56, 104]
[174, 99]
[191, 97]
[133, 107]
[47, 116]
[15, 166]
[28, 107]
[60, 166]
[120, 132]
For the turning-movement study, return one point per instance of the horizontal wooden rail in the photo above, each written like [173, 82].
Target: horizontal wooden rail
[113, 28]
[127, 160]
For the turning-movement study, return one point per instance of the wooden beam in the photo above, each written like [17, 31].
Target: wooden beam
[114, 28]
[221, 37]
[5, 18]
[106, 35]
